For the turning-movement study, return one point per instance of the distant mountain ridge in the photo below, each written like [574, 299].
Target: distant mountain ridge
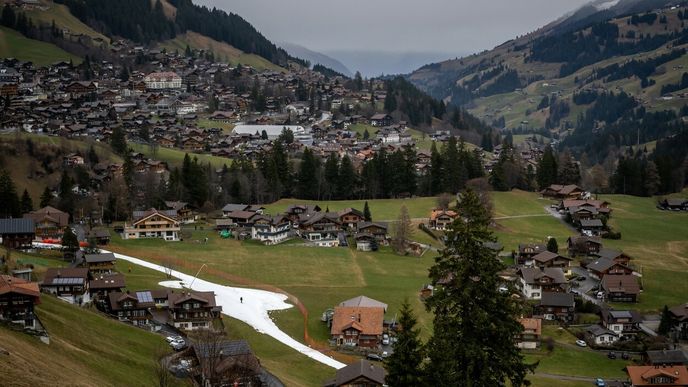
[316, 58]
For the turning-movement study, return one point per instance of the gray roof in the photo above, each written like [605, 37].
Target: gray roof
[231, 207]
[364, 301]
[598, 330]
[226, 347]
[609, 253]
[675, 356]
[601, 265]
[557, 299]
[102, 257]
[533, 274]
[591, 223]
[363, 368]
[17, 226]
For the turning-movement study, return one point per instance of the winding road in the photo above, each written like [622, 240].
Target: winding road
[253, 310]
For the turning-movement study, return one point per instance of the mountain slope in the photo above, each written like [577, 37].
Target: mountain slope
[15, 45]
[509, 83]
[316, 58]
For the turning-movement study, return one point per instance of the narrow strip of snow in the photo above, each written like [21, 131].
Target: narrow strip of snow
[253, 310]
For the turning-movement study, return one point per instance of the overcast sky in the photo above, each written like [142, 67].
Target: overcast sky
[459, 26]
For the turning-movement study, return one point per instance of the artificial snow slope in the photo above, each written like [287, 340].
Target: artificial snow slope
[253, 310]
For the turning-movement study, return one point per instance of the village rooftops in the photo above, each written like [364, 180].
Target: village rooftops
[111, 281]
[17, 226]
[667, 357]
[365, 302]
[361, 369]
[231, 207]
[533, 275]
[547, 256]
[50, 213]
[99, 258]
[642, 376]
[621, 284]
[557, 299]
[65, 276]
[9, 284]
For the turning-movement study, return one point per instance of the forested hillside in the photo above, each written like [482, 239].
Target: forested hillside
[146, 22]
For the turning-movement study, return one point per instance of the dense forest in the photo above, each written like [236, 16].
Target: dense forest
[581, 48]
[419, 107]
[143, 22]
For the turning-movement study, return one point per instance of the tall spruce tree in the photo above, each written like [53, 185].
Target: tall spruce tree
[9, 201]
[366, 212]
[666, 323]
[46, 197]
[474, 324]
[404, 364]
[552, 245]
[547, 169]
[308, 176]
[26, 202]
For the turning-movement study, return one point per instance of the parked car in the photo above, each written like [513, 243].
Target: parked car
[611, 355]
[385, 339]
[170, 339]
[600, 382]
[581, 278]
[374, 356]
[600, 295]
[625, 356]
[581, 343]
[178, 345]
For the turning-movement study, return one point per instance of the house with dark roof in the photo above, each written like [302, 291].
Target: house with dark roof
[680, 315]
[376, 229]
[441, 219]
[132, 307]
[533, 281]
[361, 373]
[104, 284]
[320, 228]
[548, 259]
[232, 207]
[350, 217]
[225, 362]
[583, 245]
[620, 288]
[101, 263]
[622, 322]
[68, 284]
[526, 251]
[270, 230]
[603, 266]
[666, 357]
[556, 306]
[17, 300]
[16, 233]
[50, 222]
[191, 310]
[617, 256]
[558, 191]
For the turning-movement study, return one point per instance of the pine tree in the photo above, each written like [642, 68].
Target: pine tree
[547, 169]
[331, 175]
[46, 197]
[474, 324]
[404, 364]
[26, 202]
[70, 242]
[552, 245]
[10, 206]
[436, 167]
[118, 141]
[308, 176]
[452, 167]
[347, 178]
[366, 212]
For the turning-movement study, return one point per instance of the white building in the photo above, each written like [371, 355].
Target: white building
[164, 80]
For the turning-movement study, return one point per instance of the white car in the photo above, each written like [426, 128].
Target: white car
[385, 339]
[581, 343]
[170, 339]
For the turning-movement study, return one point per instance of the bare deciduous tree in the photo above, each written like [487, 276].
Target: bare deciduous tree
[402, 231]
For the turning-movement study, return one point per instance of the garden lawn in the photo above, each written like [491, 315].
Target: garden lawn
[175, 157]
[15, 45]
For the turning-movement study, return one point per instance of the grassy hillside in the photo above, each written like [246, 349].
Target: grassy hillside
[86, 349]
[15, 45]
[539, 79]
[175, 157]
[222, 51]
[63, 19]
[27, 172]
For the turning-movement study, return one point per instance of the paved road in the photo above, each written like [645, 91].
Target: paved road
[565, 377]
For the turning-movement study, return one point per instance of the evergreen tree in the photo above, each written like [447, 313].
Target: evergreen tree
[9, 18]
[46, 197]
[70, 243]
[67, 200]
[666, 323]
[93, 155]
[366, 212]
[26, 203]
[118, 141]
[366, 135]
[347, 178]
[404, 364]
[331, 176]
[452, 167]
[10, 206]
[552, 245]
[308, 176]
[568, 170]
[436, 167]
[402, 231]
[474, 324]
[547, 169]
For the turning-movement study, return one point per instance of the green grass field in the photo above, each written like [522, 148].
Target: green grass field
[15, 45]
[86, 349]
[63, 19]
[175, 157]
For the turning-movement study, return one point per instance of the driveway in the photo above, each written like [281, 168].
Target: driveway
[248, 305]
[589, 283]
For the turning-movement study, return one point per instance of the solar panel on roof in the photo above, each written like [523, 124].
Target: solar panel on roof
[144, 296]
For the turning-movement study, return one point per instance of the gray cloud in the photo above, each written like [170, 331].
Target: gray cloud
[396, 25]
